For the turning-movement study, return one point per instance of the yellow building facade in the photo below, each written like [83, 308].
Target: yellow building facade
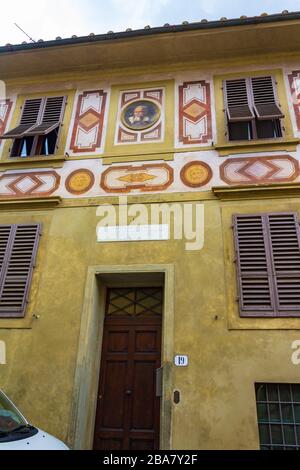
[149, 118]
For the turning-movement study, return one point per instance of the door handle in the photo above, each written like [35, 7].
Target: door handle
[128, 392]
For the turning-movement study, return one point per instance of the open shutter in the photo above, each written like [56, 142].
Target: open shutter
[30, 117]
[285, 245]
[264, 100]
[237, 100]
[18, 247]
[52, 116]
[256, 298]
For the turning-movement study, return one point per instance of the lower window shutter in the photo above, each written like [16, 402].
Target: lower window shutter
[285, 247]
[6, 233]
[256, 297]
[264, 99]
[237, 101]
[17, 266]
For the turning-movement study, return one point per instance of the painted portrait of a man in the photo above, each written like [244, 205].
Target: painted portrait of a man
[140, 115]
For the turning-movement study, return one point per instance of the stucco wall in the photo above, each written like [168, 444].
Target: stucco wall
[227, 354]
[217, 408]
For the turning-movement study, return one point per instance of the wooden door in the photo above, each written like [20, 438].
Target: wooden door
[128, 409]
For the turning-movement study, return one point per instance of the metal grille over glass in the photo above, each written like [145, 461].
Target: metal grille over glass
[278, 412]
[134, 301]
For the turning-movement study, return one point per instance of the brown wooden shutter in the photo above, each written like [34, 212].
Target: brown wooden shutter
[18, 247]
[30, 117]
[285, 247]
[237, 100]
[268, 264]
[264, 100]
[51, 117]
[256, 297]
[5, 238]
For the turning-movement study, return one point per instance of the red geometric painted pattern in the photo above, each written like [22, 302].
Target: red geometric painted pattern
[294, 81]
[88, 122]
[253, 170]
[195, 125]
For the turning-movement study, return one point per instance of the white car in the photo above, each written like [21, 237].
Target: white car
[17, 434]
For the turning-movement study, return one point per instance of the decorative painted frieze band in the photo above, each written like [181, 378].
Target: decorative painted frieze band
[37, 183]
[80, 181]
[140, 116]
[148, 177]
[88, 123]
[279, 168]
[195, 126]
[294, 81]
[196, 174]
[5, 109]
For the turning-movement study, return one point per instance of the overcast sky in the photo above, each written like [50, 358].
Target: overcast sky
[47, 19]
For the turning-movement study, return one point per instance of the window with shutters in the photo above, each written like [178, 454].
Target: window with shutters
[267, 250]
[39, 127]
[252, 109]
[18, 247]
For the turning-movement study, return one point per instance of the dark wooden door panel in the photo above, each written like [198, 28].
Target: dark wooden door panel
[111, 444]
[144, 387]
[128, 410]
[115, 380]
[118, 341]
[142, 444]
[146, 341]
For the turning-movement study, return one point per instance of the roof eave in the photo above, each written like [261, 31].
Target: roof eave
[198, 26]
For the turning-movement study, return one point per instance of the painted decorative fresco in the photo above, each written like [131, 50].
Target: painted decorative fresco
[196, 174]
[294, 81]
[188, 172]
[149, 177]
[80, 181]
[279, 168]
[195, 124]
[140, 116]
[88, 124]
[36, 183]
[5, 109]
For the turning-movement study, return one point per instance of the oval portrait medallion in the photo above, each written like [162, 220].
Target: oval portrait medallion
[196, 174]
[140, 115]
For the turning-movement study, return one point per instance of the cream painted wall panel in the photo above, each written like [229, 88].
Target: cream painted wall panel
[13, 99]
[87, 131]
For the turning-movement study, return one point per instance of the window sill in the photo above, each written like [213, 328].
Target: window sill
[17, 323]
[275, 323]
[56, 161]
[29, 203]
[268, 145]
[257, 191]
[134, 156]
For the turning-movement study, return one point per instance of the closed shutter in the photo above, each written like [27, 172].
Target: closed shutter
[285, 244]
[237, 100]
[253, 266]
[52, 116]
[30, 117]
[18, 247]
[268, 264]
[264, 100]
[5, 237]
